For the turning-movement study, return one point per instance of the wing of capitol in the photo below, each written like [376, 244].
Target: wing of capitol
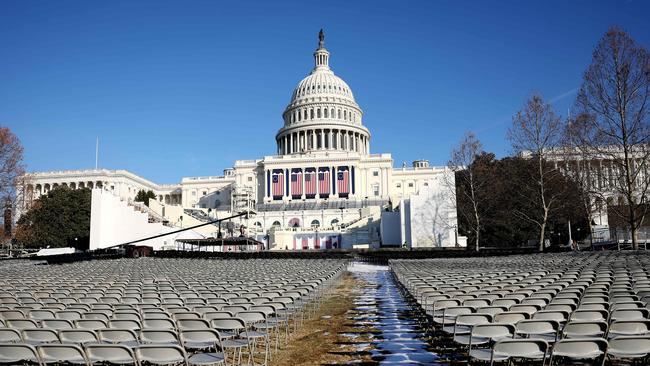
[323, 189]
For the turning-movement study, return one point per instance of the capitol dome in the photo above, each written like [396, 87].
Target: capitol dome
[322, 113]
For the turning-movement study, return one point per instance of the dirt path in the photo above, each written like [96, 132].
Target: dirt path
[320, 341]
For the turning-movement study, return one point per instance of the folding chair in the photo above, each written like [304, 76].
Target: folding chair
[111, 354]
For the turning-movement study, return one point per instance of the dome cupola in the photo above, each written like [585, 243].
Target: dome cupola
[322, 113]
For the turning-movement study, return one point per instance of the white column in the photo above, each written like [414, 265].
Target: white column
[290, 143]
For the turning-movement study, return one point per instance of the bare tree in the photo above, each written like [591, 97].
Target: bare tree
[469, 181]
[578, 165]
[613, 98]
[534, 133]
[12, 171]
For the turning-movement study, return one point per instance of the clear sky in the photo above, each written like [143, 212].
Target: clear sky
[184, 88]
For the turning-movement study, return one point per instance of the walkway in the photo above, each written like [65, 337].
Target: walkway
[393, 334]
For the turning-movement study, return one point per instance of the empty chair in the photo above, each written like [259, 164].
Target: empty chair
[57, 324]
[484, 334]
[62, 353]
[21, 323]
[13, 354]
[124, 324]
[126, 337]
[544, 329]
[11, 314]
[90, 324]
[629, 328]
[582, 329]
[68, 314]
[463, 326]
[629, 314]
[189, 324]
[206, 339]
[39, 336]
[110, 353]
[158, 336]
[158, 323]
[160, 354]
[529, 349]
[580, 349]
[78, 336]
[590, 315]
[510, 317]
[10, 335]
[629, 347]
[40, 314]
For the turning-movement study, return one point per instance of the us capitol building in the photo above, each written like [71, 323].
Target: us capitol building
[322, 189]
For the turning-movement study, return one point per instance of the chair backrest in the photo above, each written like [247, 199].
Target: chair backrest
[590, 315]
[584, 329]
[158, 336]
[56, 324]
[159, 323]
[192, 324]
[629, 327]
[90, 324]
[160, 354]
[493, 331]
[10, 335]
[557, 315]
[62, 353]
[124, 324]
[634, 345]
[78, 336]
[537, 327]
[200, 336]
[580, 348]
[117, 335]
[12, 353]
[110, 353]
[521, 348]
[251, 317]
[510, 317]
[228, 324]
[40, 335]
[21, 323]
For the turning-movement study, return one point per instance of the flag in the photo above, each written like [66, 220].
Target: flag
[324, 182]
[343, 181]
[277, 186]
[310, 183]
[296, 183]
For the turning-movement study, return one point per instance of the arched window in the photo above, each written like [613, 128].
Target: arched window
[318, 112]
[299, 116]
[339, 114]
[315, 224]
[276, 225]
[295, 222]
[335, 222]
[305, 115]
[325, 112]
[332, 113]
[345, 115]
[311, 114]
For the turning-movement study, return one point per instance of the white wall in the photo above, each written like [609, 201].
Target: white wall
[113, 222]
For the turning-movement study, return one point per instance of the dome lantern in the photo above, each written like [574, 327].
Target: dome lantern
[321, 56]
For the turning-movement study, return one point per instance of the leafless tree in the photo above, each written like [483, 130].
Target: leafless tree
[534, 133]
[469, 180]
[613, 98]
[12, 171]
[578, 165]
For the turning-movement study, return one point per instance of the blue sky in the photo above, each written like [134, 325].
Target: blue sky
[184, 88]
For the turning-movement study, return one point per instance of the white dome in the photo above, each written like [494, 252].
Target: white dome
[322, 113]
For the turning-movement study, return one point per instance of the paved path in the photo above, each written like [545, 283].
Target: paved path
[381, 306]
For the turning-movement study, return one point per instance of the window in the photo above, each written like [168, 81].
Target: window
[318, 112]
[205, 193]
[426, 184]
[276, 225]
[335, 222]
[375, 190]
[375, 173]
[311, 114]
[410, 185]
[325, 112]
[315, 223]
[398, 185]
[250, 179]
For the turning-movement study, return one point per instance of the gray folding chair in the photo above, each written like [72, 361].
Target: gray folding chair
[529, 349]
[110, 353]
[580, 349]
[629, 347]
[62, 353]
[13, 354]
[160, 354]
